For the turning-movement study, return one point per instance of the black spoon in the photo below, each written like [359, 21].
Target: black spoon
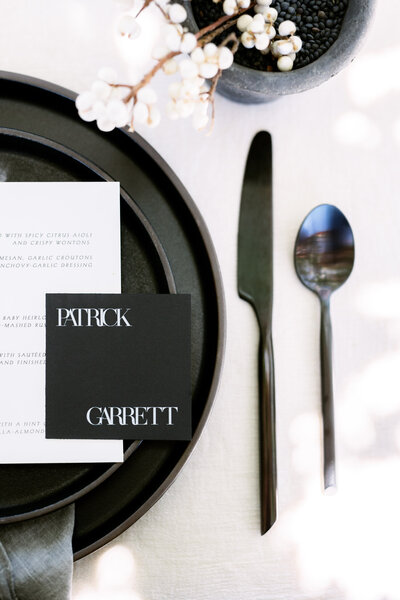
[324, 258]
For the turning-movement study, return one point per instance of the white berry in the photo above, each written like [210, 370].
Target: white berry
[170, 67]
[101, 89]
[117, 112]
[285, 63]
[85, 101]
[287, 28]
[140, 112]
[185, 108]
[197, 56]
[283, 47]
[296, 43]
[243, 22]
[229, 7]
[120, 92]
[270, 30]
[208, 70]
[257, 25]
[270, 13]
[129, 27]
[225, 58]
[173, 37]
[210, 50]
[177, 13]
[262, 41]
[247, 40]
[188, 69]
[105, 124]
[147, 95]
[188, 43]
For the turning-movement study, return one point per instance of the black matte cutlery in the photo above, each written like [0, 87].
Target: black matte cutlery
[324, 257]
[255, 285]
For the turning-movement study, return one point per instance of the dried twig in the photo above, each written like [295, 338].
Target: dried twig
[211, 93]
[211, 99]
[163, 12]
[145, 5]
[149, 76]
[223, 22]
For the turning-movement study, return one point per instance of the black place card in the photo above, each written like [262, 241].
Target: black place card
[118, 366]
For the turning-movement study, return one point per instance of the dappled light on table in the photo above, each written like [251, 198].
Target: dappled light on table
[115, 574]
[374, 76]
[356, 129]
[341, 539]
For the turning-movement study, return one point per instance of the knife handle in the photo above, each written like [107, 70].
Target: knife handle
[268, 481]
[328, 420]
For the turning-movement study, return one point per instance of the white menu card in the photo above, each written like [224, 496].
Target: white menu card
[54, 237]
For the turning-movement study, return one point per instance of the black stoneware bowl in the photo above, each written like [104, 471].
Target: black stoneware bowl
[252, 86]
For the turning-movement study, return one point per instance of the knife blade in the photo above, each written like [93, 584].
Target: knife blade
[255, 285]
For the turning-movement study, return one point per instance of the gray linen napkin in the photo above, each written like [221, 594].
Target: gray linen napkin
[36, 557]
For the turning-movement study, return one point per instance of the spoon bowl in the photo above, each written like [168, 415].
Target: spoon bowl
[324, 251]
[324, 259]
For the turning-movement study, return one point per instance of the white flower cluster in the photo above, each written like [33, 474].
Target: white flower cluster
[111, 105]
[259, 31]
[128, 27]
[104, 103]
[286, 48]
[177, 38]
[205, 62]
[189, 97]
[209, 60]
[256, 32]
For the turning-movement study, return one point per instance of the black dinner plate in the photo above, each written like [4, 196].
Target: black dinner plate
[43, 109]
[25, 490]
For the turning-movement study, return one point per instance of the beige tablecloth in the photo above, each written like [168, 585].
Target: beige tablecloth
[339, 144]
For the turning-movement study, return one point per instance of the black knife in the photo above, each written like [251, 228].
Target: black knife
[255, 284]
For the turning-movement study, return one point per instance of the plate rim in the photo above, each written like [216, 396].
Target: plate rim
[220, 301]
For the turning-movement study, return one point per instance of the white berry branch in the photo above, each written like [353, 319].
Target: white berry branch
[194, 57]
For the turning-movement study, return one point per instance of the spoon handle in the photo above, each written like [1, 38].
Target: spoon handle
[327, 397]
[268, 484]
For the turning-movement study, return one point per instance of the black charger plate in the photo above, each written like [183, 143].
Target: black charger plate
[145, 269]
[43, 109]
